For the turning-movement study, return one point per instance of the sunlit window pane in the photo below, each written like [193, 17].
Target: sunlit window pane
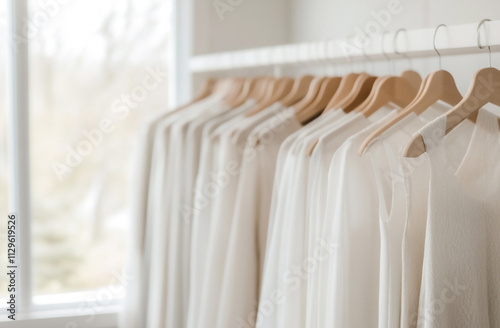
[98, 68]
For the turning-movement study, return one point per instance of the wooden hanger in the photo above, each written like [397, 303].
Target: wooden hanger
[298, 92]
[359, 92]
[254, 88]
[285, 87]
[312, 92]
[318, 105]
[208, 87]
[486, 79]
[345, 87]
[396, 119]
[393, 89]
[413, 77]
[353, 89]
[357, 89]
[206, 90]
[271, 86]
[223, 86]
[274, 93]
[410, 75]
[437, 86]
[367, 100]
[246, 92]
[388, 89]
[363, 92]
[235, 89]
[281, 86]
[262, 87]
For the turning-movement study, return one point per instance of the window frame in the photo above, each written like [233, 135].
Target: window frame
[107, 318]
[29, 314]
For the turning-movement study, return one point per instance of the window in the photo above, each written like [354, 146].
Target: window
[97, 69]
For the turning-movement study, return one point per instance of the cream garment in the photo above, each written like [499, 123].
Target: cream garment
[392, 210]
[232, 144]
[197, 134]
[246, 249]
[264, 136]
[351, 281]
[139, 245]
[231, 127]
[280, 185]
[385, 155]
[205, 186]
[327, 145]
[162, 189]
[295, 262]
[186, 135]
[416, 175]
[270, 297]
[461, 268]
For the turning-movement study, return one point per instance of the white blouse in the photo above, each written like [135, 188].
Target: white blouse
[316, 200]
[200, 212]
[246, 249]
[385, 153]
[272, 292]
[351, 231]
[232, 143]
[461, 267]
[416, 174]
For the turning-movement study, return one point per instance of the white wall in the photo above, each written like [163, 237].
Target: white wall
[319, 19]
[247, 24]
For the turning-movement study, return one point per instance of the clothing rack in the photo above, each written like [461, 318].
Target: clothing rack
[401, 44]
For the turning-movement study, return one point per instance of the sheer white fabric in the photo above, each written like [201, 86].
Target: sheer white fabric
[416, 174]
[385, 155]
[272, 297]
[461, 266]
[147, 244]
[246, 249]
[166, 222]
[351, 225]
[229, 163]
[206, 187]
[140, 245]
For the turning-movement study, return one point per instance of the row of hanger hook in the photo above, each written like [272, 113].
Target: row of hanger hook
[478, 40]
[396, 51]
[404, 55]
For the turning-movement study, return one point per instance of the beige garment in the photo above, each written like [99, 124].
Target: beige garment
[229, 162]
[461, 266]
[246, 247]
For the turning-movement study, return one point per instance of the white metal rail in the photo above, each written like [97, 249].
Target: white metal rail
[450, 40]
